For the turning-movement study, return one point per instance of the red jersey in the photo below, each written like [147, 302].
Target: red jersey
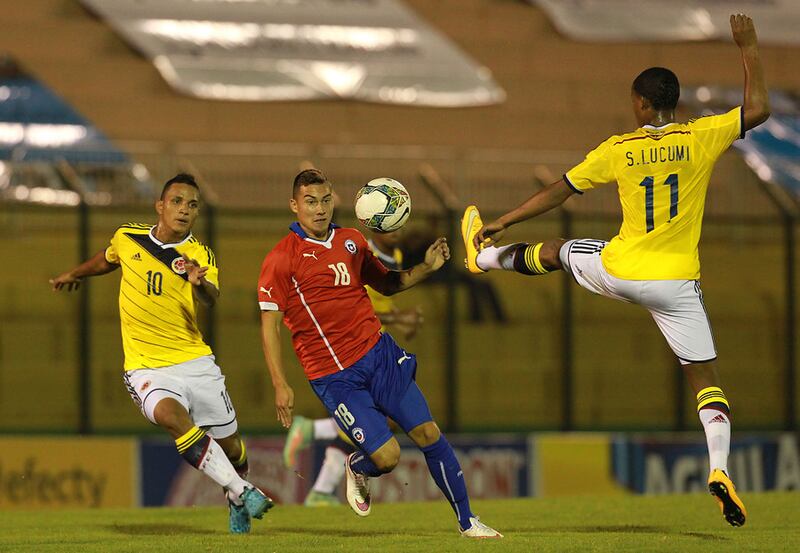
[319, 287]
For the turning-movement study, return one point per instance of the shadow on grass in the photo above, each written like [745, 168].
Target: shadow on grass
[344, 532]
[628, 529]
[159, 529]
[172, 529]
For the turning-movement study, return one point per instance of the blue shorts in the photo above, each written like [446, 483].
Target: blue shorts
[379, 385]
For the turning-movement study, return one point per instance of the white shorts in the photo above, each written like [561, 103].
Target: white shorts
[676, 305]
[198, 385]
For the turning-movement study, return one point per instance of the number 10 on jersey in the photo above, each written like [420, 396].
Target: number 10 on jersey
[672, 182]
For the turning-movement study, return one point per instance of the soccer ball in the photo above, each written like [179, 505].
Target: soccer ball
[383, 205]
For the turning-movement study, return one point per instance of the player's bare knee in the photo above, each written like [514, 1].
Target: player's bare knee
[231, 445]
[425, 434]
[387, 457]
[701, 375]
[171, 416]
[550, 254]
[387, 464]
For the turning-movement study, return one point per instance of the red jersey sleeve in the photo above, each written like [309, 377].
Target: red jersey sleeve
[372, 270]
[274, 282]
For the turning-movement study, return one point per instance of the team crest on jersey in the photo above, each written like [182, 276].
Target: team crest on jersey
[358, 435]
[179, 265]
[350, 246]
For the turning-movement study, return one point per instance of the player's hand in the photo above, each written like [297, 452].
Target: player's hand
[489, 234]
[743, 30]
[66, 281]
[284, 403]
[194, 272]
[437, 254]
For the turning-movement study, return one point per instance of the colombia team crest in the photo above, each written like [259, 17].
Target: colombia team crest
[179, 265]
[350, 246]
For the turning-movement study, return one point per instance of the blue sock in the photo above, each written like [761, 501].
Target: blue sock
[362, 464]
[446, 472]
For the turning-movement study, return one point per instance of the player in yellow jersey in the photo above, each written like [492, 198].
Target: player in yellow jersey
[304, 431]
[169, 370]
[662, 171]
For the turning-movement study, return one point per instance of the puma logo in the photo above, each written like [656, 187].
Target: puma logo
[312, 254]
[267, 292]
[405, 357]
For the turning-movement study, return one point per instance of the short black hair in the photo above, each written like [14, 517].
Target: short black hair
[660, 86]
[183, 178]
[308, 177]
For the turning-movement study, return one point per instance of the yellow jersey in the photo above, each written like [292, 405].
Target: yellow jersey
[157, 309]
[381, 303]
[662, 174]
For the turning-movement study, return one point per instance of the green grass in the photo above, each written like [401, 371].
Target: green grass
[683, 523]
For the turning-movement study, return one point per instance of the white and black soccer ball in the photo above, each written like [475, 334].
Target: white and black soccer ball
[383, 205]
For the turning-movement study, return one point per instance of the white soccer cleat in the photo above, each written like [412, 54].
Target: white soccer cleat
[480, 530]
[357, 489]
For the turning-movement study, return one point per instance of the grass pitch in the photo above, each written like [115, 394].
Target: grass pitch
[685, 523]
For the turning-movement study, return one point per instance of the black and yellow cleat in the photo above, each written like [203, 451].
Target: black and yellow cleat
[724, 492]
[470, 225]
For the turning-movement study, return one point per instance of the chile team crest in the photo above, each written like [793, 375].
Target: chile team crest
[350, 246]
[179, 265]
[358, 435]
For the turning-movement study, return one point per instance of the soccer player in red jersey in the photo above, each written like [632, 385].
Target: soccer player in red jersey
[313, 281]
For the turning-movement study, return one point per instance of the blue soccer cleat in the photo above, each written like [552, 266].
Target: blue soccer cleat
[238, 519]
[255, 502]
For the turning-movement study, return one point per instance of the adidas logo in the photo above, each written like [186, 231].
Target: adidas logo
[136, 257]
[719, 418]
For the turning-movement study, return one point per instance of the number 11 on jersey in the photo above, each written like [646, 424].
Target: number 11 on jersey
[672, 182]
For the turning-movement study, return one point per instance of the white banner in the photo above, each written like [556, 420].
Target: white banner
[372, 50]
[777, 21]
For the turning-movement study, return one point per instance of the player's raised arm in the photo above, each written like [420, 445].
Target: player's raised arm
[393, 282]
[756, 100]
[94, 266]
[553, 195]
[271, 342]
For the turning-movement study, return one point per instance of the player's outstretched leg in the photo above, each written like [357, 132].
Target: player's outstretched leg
[471, 223]
[205, 454]
[446, 472]
[527, 259]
